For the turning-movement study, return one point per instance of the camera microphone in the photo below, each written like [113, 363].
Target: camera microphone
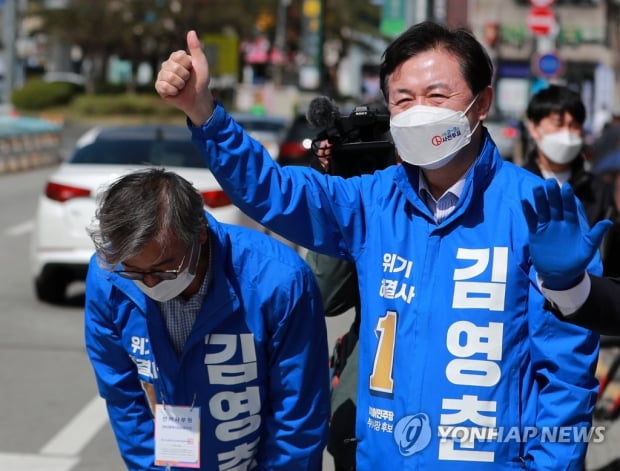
[358, 142]
[322, 112]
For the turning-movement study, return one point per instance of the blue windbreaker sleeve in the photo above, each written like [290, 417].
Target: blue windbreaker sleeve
[297, 422]
[272, 194]
[117, 378]
[564, 358]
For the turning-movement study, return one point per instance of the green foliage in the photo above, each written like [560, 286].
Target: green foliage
[149, 30]
[107, 88]
[38, 95]
[122, 105]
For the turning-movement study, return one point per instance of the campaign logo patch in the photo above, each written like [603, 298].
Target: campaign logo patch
[412, 434]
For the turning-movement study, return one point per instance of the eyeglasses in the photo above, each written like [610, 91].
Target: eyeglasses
[161, 275]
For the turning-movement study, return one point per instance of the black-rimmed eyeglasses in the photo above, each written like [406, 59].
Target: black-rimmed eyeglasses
[161, 275]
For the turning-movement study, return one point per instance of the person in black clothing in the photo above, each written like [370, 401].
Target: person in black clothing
[601, 310]
[560, 251]
[555, 117]
[338, 283]
[337, 280]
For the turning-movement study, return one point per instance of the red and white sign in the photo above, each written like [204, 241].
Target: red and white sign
[541, 21]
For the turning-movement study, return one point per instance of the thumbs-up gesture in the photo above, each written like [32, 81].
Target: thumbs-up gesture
[183, 81]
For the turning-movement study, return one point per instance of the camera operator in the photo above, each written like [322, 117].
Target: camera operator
[352, 145]
[337, 279]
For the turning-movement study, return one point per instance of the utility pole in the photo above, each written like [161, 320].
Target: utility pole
[280, 39]
[311, 73]
[417, 11]
[9, 20]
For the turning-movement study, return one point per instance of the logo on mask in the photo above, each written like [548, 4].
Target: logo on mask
[452, 133]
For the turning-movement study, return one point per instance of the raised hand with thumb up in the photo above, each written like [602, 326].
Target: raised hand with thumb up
[183, 81]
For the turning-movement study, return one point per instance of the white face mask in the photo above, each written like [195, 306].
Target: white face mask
[561, 147]
[165, 290]
[430, 136]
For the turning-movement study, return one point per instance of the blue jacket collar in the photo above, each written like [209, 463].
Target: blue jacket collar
[479, 177]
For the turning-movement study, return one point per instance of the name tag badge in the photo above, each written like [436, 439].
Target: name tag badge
[177, 436]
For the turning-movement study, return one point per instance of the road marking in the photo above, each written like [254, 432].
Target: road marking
[80, 430]
[23, 462]
[62, 452]
[20, 229]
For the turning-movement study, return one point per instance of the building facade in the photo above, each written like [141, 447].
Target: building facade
[537, 42]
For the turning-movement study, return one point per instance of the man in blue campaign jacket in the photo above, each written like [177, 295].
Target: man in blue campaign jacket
[459, 365]
[208, 340]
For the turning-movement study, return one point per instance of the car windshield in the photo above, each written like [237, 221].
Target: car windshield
[261, 126]
[301, 129]
[139, 152]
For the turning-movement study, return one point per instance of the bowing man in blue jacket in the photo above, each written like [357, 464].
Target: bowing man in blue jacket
[207, 340]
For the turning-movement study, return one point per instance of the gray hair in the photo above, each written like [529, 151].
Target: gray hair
[144, 206]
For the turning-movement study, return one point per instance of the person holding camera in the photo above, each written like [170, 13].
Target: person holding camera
[457, 366]
[337, 280]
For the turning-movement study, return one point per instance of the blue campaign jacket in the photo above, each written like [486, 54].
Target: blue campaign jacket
[256, 361]
[454, 341]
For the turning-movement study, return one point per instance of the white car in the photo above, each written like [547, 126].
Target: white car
[61, 247]
[267, 129]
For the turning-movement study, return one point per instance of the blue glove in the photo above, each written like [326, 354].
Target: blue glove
[560, 250]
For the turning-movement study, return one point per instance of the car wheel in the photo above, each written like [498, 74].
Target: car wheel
[51, 289]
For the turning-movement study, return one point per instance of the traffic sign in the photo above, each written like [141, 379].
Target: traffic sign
[541, 21]
[548, 65]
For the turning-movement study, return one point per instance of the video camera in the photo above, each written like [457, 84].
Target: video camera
[360, 141]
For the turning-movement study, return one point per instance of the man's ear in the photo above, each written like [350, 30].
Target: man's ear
[531, 129]
[483, 103]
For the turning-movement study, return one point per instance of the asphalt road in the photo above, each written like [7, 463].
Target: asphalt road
[51, 419]
[51, 416]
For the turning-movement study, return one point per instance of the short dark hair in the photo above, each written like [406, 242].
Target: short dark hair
[476, 65]
[556, 99]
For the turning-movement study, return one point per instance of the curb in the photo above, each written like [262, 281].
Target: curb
[27, 143]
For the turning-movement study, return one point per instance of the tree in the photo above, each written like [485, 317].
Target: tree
[148, 30]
